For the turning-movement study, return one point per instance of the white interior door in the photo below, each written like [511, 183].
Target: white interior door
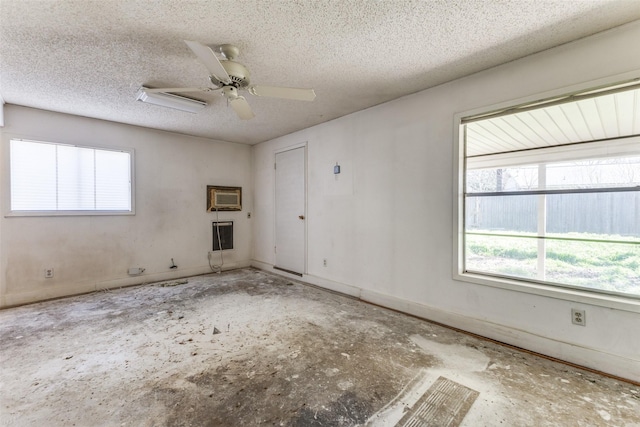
[290, 210]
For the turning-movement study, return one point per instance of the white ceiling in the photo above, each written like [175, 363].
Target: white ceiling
[610, 116]
[89, 57]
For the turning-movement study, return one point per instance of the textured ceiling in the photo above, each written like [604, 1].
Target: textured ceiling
[89, 57]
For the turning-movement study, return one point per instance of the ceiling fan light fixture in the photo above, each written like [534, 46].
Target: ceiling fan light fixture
[171, 101]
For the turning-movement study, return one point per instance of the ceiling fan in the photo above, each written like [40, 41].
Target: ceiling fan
[230, 77]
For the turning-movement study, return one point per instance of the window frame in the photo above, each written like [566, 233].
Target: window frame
[54, 213]
[568, 293]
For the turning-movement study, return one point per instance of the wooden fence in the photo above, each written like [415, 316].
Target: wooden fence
[598, 213]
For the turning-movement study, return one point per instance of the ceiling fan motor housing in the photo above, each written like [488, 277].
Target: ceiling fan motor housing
[230, 92]
[237, 72]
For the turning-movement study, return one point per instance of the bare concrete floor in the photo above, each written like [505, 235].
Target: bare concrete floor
[286, 354]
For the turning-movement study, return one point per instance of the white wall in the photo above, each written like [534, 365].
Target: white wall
[95, 252]
[385, 224]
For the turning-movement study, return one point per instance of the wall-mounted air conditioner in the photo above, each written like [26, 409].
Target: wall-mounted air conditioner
[224, 198]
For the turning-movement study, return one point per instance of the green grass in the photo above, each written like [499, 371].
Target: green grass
[611, 267]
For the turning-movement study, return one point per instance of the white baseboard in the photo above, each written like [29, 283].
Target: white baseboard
[588, 357]
[43, 294]
[342, 288]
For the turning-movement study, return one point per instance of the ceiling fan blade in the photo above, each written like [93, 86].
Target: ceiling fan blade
[178, 89]
[242, 108]
[209, 59]
[283, 92]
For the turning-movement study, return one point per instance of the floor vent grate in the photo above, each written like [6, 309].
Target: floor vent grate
[445, 404]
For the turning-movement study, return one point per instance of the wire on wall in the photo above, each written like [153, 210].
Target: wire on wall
[217, 267]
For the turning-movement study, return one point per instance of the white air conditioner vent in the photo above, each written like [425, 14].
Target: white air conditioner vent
[227, 199]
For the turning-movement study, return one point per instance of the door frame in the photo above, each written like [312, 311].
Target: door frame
[306, 198]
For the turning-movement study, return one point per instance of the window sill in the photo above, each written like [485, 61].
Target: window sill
[574, 295]
[66, 213]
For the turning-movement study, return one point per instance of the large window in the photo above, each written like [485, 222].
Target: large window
[49, 178]
[552, 192]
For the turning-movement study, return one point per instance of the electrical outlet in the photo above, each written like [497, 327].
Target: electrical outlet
[324, 262]
[578, 317]
[48, 273]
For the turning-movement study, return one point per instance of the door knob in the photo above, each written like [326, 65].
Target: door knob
[301, 216]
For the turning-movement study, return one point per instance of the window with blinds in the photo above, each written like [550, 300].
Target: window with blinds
[552, 192]
[48, 178]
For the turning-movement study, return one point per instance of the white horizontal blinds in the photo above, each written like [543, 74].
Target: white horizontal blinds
[56, 177]
[76, 181]
[113, 180]
[33, 176]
